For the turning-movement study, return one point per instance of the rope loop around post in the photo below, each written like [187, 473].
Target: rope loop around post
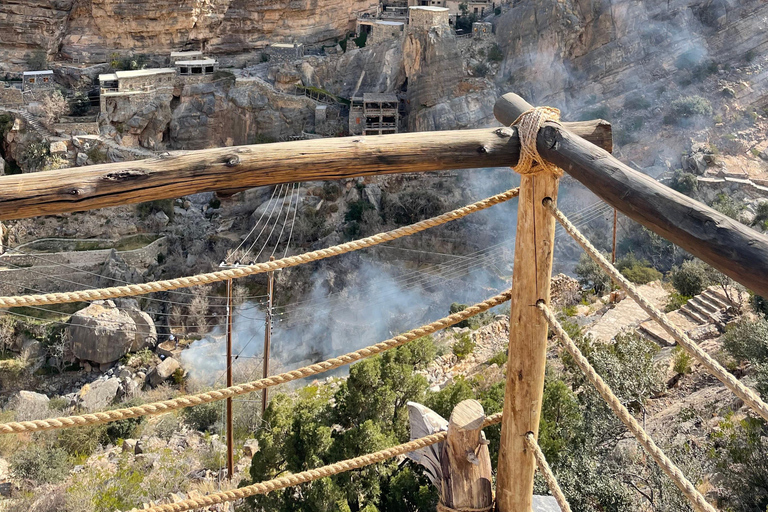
[528, 125]
[446, 508]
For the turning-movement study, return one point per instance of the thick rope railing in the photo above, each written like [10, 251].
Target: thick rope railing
[164, 406]
[310, 475]
[666, 464]
[258, 268]
[528, 125]
[547, 473]
[745, 393]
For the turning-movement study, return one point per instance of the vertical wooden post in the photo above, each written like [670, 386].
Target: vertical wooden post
[531, 277]
[615, 222]
[465, 463]
[267, 333]
[230, 438]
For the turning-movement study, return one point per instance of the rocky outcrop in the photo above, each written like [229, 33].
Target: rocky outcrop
[97, 28]
[103, 333]
[99, 394]
[163, 371]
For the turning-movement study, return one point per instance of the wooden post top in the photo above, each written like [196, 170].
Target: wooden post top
[467, 415]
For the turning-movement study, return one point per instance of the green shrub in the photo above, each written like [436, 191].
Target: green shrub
[463, 347]
[81, 441]
[688, 107]
[690, 278]
[215, 203]
[495, 54]
[411, 206]
[682, 361]
[760, 305]
[202, 417]
[41, 463]
[37, 60]
[684, 182]
[747, 341]
[570, 310]
[676, 301]
[641, 274]
[591, 275]
[481, 69]
[356, 209]
[457, 308]
[499, 359]
[97, 155]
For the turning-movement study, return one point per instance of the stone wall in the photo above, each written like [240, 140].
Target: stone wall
[11, 97]
[428, 17]
[145, 82]
[89, 128]
[17, 280]
[381, 32]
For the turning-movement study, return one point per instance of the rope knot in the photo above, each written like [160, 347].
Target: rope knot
[528, 125]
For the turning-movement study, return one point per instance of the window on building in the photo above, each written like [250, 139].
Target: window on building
[45, 79]
[184, 70]
[197, 70]
[31, 80]
[209, 69]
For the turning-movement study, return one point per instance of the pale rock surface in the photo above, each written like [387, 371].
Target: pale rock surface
[102, 333]
[99, 394]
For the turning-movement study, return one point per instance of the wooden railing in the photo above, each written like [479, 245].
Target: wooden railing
[580, 149]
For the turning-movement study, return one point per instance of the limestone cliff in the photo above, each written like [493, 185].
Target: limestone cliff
[100, 27]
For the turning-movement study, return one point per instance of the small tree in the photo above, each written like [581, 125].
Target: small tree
[690, 278]
[53, 107]
[590, 274]
[198, 309]
[37, 60]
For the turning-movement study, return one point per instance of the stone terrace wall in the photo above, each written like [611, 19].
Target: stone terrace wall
[11, 97]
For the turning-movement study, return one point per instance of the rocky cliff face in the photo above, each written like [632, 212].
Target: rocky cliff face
[82, 27]
[563, 52]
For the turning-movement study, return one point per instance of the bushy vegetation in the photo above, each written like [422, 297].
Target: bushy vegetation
[636, 270]
[686, 108]
[592, 276]
[205, 417]
[690, 278]
[463, 346]
[684, 182]
[40, 463]
[151, 207]
[682, 361]
[411, 206]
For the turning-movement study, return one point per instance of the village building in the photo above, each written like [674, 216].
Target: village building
[373, 114]
[426, 17]
[482, 29]
[379, 30]
[188, 55]
[139, 80]
[37, 80]
[196, 67]
[285, 51]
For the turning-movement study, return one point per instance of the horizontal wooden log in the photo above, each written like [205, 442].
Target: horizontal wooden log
[242, 167]
[728, 245]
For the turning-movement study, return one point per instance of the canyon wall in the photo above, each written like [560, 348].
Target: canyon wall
[78, 28]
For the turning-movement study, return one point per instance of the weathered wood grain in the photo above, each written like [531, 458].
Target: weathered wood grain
[467, 477]
[242, 167]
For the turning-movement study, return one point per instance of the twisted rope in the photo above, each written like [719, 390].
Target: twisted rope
[446, 508]
[241, 389]
[310, 475]
[528, 125]
[672, 471]
[745, 393]
[547, 473]
[259, 268]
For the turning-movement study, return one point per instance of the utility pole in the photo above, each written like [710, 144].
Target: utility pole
[615, 219]
[230, 438]
[268, 333]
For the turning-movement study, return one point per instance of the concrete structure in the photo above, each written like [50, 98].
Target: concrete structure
[191, 55]
[477, 7]
[426, 17]
[380, 30]
[482, 29]
[373, 114]
[140, 80]
[36, 80]
[285, 51]
[196, 67]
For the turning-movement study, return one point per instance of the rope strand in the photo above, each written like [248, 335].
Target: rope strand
[241, 389]
[672, 471]
[259, 268]
[745, 393]
[547, 473]
[310, 475]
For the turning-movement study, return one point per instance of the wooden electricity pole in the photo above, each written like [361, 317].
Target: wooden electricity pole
[267, 333]
[230, 439]
[615, 219]
[528, 329]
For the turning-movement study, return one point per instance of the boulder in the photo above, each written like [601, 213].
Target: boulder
[250, 447]
[163, 371]
[29, 405]
[100, 394]
[102, 333]
[146, 333]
